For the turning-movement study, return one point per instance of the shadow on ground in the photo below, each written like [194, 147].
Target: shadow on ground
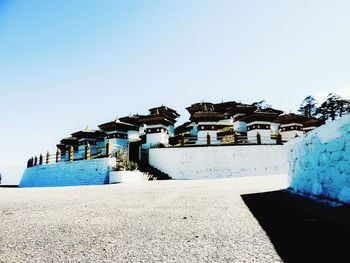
[302, 229]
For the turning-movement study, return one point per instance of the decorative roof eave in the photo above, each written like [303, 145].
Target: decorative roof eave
[206, 116]
[313, 123]
[157, 119]
[133, 119]
[183, 128]
[260, 116]
[271, 110]
[224, 107]
[69, 141]
[201, 106]
[61, 146]
[88, 134]
[117, 125]
[247, 109]
[291, 118]
[165, 110]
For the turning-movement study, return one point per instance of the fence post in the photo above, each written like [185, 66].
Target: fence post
[40, 159]
[208, 138]
[235, 138]
[47, 157]
[87, 151]
[58, 155]
[182, 141]
[71, 153]
[108, 148]
[258, 138]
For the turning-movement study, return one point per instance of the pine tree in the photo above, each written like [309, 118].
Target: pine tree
[334, 106]
[308, 107]
[343, 107]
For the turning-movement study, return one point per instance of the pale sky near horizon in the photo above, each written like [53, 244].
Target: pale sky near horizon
[68, 64]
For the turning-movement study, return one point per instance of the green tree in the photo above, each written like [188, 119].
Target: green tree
[334, 106]
[308, 107]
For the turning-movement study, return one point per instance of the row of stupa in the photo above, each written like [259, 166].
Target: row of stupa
[225, 123]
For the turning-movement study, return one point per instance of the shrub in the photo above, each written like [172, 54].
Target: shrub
[123, 162]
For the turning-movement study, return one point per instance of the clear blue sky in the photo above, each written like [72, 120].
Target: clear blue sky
[66, 64]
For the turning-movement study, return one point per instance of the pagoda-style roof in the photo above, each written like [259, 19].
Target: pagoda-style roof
[69, 141]
[155, 119]
[242, 109]
[185, 127]
[259, 116]
[271, 110]
[88, 134]
[201, 106]
[61, 146]
[117, 125]
[165, 111]
[133, 119]
[313, 123]
[203, 116]
[291, 118]
[224, 107]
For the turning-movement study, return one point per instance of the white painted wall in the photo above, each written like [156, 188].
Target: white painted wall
[156, 138]
[127, 177]
[202, 134]
[265, 134]
[220, 161]
[202, 137]
[289, 135]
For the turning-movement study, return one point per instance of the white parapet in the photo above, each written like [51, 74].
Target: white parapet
[201, 162]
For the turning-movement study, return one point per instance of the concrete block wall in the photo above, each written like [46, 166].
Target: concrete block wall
[86, 172]
[220, 161]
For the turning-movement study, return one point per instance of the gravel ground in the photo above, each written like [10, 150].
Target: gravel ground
[156, 221]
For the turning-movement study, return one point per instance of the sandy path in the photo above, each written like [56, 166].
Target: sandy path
[159, 221]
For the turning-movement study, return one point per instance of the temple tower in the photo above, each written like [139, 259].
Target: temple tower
[207, 124]
[159, 126]
[117, 132]
[260, 123]
[291, 126]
